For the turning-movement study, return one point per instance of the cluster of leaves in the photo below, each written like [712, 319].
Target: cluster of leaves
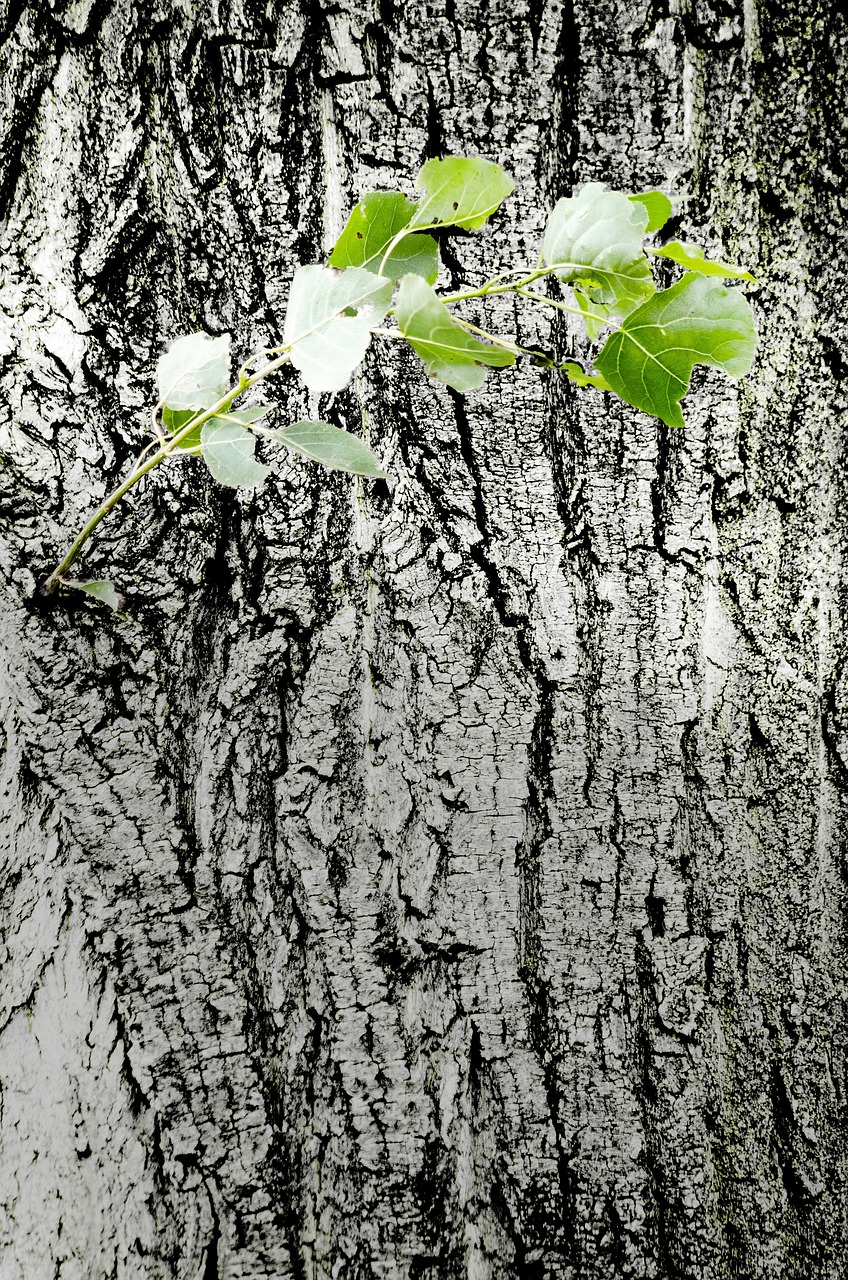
[384, 266]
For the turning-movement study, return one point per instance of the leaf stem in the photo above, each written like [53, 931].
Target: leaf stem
[492, 286]
[164, 451]
[490, 337]
[561, 306]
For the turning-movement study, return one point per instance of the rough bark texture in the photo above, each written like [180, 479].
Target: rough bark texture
[444, 878]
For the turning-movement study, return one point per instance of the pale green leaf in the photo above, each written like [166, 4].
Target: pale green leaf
[649, 361]
[693, 259]
[100, 588]
[329, 321]
[658, 206]
[594, 239]
[450, 353]
[228, 452]
[194, 372]
[581, 378]
[175, 419]
[595, 314]
[335, 449]
[369, 231]
[244, 416]
[460, 191]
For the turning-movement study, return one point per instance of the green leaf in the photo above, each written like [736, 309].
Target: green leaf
[693, 259]
[335, 449]
[595, 314]
[450, 353]
[243, 417]
[329, 321]
[173, 420]
[100, 588]
[194, 372]
[649, 361]
[369, 231]
[460, 191]
[658, 206]
[228, 450]
[581, 378]
[595, 239]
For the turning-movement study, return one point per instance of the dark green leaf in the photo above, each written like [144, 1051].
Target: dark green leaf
[173, 420]
[460, 191]
[693, 259]
[649, 361]
[658, 206]
[369, 231]
[450, 353]
[335, 449]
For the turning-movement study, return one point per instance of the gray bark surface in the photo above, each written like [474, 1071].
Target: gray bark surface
[443, 878]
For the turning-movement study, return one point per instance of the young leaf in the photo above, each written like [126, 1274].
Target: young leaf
[450, 353]
[195, 371]
[649, 361]
[658, 206]
[693, 259]
[460, 191]
[595, 239]
[335, 449]
[228, 452]
[100, 588]
[329, 321]
[369, 231]
[581, 378]
[173, 420]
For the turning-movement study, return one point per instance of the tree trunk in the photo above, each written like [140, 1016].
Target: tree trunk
[443, 878]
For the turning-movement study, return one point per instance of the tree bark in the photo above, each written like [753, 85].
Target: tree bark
[442, 878]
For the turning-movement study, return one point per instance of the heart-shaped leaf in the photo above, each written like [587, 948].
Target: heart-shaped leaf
[450, 353]
[649, 361]
[371, 228]
[194, 372]
[658, 205]
[335, 449]
[693, 259]
[228, 449]
[460, 191]
[595, 239]
[329, 321]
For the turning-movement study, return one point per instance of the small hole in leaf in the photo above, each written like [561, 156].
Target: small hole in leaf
[455, 205]
[350, 311]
